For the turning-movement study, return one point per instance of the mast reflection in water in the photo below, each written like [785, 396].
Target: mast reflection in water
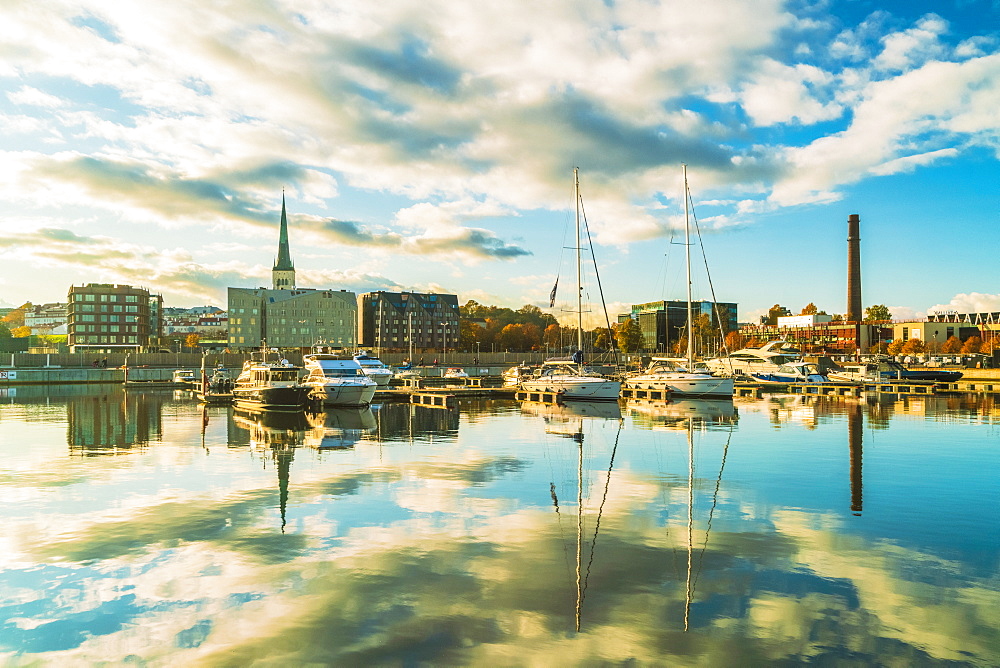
[729, 533]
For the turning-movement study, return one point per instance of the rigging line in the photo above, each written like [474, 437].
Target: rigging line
[600, 289]
[579, 535]
[600, 509]
[711, 286]
[715, 499]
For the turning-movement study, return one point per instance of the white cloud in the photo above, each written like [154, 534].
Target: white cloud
[972, 302]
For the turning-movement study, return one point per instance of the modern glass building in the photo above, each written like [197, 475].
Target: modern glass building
[663, 323]
[392, 320]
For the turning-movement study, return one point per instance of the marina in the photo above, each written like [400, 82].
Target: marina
[779, 529]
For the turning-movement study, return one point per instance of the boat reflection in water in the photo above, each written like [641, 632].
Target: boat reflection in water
[567, 419]
[338, 428]
[678, 414]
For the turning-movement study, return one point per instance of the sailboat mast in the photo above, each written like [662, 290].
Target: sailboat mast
[579, 274]
[687, 257]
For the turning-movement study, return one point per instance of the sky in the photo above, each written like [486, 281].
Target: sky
[430, 146]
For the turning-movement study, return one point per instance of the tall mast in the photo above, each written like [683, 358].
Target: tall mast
[579, 275]
[687, 257]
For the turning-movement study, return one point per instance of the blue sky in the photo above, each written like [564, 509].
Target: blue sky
[430, 146]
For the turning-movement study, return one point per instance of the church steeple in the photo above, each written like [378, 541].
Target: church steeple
[283, 273]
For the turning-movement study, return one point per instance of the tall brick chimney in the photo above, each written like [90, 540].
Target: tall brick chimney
[854, 312]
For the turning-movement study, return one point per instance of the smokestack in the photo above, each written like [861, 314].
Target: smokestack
[854, 313]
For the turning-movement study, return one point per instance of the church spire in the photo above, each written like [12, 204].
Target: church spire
[283, 273]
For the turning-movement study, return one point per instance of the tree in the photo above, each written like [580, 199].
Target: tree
[988, 346]
[877, 313]
[20, 332]
[952, 345]
[775, 312]
[809, 309]
[735, 341]
[879, 348]
[629, 336]
[192, 340]
[895, 347]
[16, 316]
[972, 345]
[913, 347]
[5, 331]
[551, 337]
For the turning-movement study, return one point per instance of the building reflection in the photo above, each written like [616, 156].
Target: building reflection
[111, 423]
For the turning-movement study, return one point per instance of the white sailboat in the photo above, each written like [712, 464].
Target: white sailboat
[568, 376]
[663, 373]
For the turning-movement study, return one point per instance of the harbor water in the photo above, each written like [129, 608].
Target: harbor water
[141, 528]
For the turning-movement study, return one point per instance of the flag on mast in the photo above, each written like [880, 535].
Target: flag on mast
[552, 295]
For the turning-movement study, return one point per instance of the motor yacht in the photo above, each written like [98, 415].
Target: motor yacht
[745, 361]
[270, 383]
[374, 368]
[337, 380]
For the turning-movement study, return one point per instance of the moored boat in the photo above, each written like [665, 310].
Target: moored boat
[217, 388]
[374, 368]
[267, 383]
[337, 380]
[745, 361]
[793, 372]
[665, 374]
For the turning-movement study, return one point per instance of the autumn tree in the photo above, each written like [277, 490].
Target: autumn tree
[877, 313]
[15, 318]
[20, 332]
[192, 340]
[895, 347]
[551, 337]
[775, 312]
[989, 344]
[952, 345]
[879, 348]
[913, 347]
[735, 341]
[972, 345]
[809, 309]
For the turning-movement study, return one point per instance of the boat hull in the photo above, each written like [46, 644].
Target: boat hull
[344, 394]
[683, 384]
[582, 388]
[272, 398]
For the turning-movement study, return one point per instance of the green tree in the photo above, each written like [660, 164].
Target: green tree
[879, 348]
[5, 331]
[629, 336]
[877, 313]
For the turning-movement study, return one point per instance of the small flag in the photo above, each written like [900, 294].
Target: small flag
[552, 295]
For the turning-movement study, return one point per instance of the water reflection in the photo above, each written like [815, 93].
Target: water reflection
[696, 537]
[680, 413]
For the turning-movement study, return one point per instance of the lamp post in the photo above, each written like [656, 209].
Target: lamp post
[444, 347]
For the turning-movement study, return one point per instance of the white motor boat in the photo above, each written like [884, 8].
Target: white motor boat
[745, 361]
[374, 368]
[454, 372]
[338, 380]
[513, 376]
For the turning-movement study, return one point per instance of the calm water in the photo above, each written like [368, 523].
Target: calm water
[143, 529]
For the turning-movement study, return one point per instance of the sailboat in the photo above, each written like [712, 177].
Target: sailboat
[663, 373]
[568, 376]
